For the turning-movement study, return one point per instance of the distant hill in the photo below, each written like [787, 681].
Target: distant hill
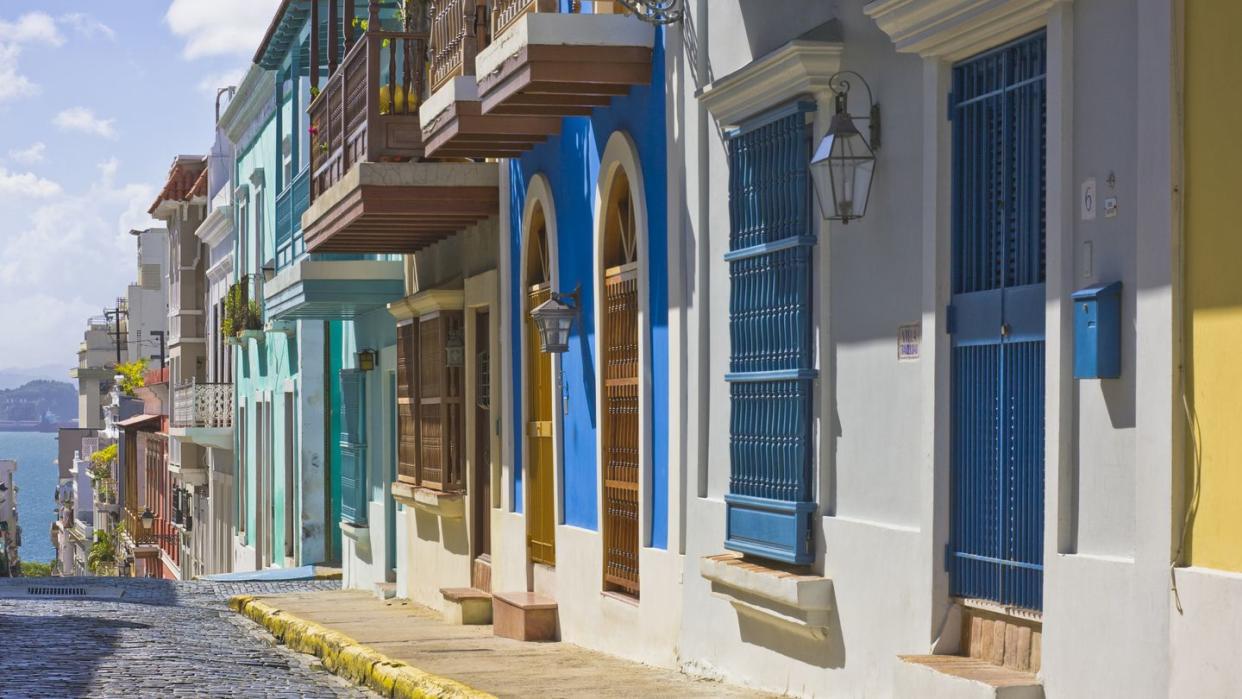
[14, 378]
[40, 401]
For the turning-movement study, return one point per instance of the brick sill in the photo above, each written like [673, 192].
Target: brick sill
[797, 603]
[450, 505]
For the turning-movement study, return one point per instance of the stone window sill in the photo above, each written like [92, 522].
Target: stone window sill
[794, 602]
[450, 505]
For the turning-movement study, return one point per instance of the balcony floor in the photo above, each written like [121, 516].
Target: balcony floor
[401, 207]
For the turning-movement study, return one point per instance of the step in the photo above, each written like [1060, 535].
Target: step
[524, 616]
[385, 590]
[956, 676]
[466, 606]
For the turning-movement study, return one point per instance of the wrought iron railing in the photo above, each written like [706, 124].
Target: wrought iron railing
[161, 533]
[368, 110]
[203, 405]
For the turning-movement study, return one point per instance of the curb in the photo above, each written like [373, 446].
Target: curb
[349, 659]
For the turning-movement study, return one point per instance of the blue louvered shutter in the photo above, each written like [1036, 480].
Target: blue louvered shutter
[771, 502]
[353, 447]
[998, 109]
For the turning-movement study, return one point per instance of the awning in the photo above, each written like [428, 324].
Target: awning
[140, 421]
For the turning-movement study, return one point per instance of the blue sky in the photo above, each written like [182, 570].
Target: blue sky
[96, 98]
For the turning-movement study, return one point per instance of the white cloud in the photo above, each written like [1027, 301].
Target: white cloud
[87, 26]
[30, 155]
[13, 84]
[214, 81]
[26, 184]
[84, 120]
[32, 27]
[221, 27]
[64, 261]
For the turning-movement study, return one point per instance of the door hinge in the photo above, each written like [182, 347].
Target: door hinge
[950, 319]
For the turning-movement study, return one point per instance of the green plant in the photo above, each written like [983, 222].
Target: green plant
[104, 457]
[30, 569]
[314, 92]
[102, 556]
[131, 374]
[240, 314]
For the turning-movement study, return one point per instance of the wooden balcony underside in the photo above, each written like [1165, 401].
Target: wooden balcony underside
[563, 80]
[399, 219]
[461, 130]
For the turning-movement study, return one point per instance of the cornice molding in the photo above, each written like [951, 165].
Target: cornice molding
[798, 68]
[428, 301]
[955, 29]
[257, 89]
[217, 226]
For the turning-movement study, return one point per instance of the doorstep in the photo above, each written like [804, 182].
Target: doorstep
[959, 677]
[404, 649]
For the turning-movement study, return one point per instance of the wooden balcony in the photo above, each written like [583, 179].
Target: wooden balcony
[543, 61]
[368, 110]
[454, 125]
[372, 190]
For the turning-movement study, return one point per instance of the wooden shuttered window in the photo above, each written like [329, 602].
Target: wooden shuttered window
[429, 401]
[621, 429]
[771, 499]
[353, 446]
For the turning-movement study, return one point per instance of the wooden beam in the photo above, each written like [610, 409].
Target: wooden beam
[334, 24]
[314, 45]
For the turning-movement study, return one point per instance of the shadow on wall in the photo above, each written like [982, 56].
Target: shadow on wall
[770, 631]
[452, 534]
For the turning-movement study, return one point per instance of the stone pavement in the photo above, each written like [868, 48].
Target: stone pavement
[158, 639]
[472, 656]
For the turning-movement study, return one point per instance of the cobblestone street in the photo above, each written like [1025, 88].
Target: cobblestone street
[157, 639]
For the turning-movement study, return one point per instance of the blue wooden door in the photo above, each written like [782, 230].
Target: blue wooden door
[353, 447]
[997, 325]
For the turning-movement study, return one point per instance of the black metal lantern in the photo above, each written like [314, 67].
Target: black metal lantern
[148, 519]
[366, 360]
[555, 318]
[844, 162]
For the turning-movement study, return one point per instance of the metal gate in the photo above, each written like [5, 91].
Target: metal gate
[996, 320]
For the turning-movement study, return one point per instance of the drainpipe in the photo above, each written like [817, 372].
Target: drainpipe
[704, 251]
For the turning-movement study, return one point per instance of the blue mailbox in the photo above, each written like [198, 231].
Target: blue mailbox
[1097, 331]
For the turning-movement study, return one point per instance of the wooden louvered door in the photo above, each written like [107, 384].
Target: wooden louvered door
[407, 402]
[440, 418]
[621, 429]
[540, 517]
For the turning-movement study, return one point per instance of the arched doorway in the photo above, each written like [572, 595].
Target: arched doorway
[620, 340]
[540, 488]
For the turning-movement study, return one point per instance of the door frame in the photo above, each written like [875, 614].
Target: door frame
[937, 237]
[481, 294]
[539, 194]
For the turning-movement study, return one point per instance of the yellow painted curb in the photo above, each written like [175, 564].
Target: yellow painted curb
[349, 659]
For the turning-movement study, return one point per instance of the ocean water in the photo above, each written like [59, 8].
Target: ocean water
[35, 454]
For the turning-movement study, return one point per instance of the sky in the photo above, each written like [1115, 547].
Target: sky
[96, 99]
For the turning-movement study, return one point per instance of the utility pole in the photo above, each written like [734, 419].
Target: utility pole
[114, 315]
[160, 334]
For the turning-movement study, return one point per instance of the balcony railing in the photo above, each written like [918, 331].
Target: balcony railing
[368, 111]
[162, 534]
[506, 12]
[455, 38]
[203, 405]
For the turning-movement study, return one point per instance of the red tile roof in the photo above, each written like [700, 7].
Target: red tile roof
[183, 180]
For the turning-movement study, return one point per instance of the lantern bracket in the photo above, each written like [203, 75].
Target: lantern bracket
[839, 85]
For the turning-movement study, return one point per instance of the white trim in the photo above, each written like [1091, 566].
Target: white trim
[621, 155]
[539, 193]
[798, 68]
[954, 29]
[562, 29]
[217, 226]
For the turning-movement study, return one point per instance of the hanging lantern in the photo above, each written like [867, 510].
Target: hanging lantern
[555, 318]
[148, 519]
[844, 162]
[366, 360]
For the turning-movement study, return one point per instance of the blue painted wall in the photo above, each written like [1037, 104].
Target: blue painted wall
[571, 163]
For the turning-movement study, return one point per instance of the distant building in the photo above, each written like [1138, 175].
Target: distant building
[10, 530]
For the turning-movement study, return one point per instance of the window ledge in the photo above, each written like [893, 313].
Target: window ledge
[797, 603]
[450, 505]
[355, 530]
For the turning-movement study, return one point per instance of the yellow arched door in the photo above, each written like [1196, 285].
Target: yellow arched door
[540, 487]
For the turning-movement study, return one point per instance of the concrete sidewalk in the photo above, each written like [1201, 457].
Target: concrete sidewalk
[448, 660]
